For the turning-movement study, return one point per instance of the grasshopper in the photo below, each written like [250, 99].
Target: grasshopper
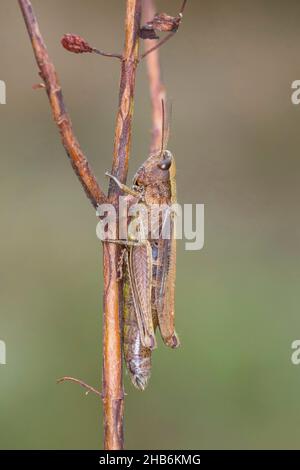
[148, 268]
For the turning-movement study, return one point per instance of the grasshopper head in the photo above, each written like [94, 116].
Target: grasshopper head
[157, 169]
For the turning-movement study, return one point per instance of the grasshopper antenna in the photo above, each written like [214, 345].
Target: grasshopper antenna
[162, 127]
[183, 7]
[164, 155]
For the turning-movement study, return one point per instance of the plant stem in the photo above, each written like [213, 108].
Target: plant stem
[157, 88]
[87, 387]
[112, 383]
[61, 117]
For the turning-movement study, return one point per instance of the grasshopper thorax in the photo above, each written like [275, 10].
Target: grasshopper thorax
[156, 176]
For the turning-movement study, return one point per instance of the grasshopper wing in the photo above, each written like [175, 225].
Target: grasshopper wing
[140, 278]
[165, 288]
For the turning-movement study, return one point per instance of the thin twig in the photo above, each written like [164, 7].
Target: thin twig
[183, 6]
[107, 54]
[112, 383]
[61, 117]
[126, 95]
[89, 388]
[158, 45]
[157, 88]
[168, 36]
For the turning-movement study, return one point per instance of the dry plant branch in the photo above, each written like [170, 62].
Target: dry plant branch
[158, 45]
[113, 395]
[60, 115]
[157, 88]
[88, 388]
[112, 383]
[107, 54]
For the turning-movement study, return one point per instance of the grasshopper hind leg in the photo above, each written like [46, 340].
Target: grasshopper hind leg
[137, 358]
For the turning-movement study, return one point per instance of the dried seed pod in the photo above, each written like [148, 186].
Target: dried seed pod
[163, 22]
[166, 23]
[76, 44]
[147, 32]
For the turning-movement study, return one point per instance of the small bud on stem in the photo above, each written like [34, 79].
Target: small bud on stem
[78, 45]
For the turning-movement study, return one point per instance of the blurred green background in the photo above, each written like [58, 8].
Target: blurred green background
[235, 135]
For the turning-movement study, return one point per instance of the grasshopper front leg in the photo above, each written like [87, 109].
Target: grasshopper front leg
[123, 187]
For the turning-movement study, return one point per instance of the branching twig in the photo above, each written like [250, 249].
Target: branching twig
[158, 45]
[112, 389]
[89, 388]
[113, 395]
[61, 117]
[107, 54]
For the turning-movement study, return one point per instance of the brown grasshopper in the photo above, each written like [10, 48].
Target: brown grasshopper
[150, 268]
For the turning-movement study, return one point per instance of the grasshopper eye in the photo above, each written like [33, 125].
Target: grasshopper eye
[165, 164]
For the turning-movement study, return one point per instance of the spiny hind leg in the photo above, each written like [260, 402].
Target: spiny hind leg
[122, 259]
[124, 254]
[126, 242]
[120, 265]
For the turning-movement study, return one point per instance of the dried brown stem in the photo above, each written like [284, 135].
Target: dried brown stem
[158, 44]
[112, 384]
[183, 6]
[61, 117]
[157, 88]
[107, 54]
[89, 388]
[113, 393]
